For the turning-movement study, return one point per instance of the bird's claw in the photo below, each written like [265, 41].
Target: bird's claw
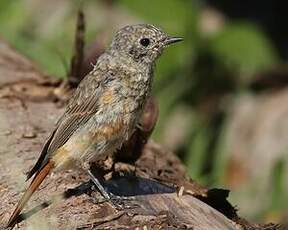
[122, 202]
[119, 202]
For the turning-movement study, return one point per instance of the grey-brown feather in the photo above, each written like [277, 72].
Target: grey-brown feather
[79, 110]
[41, 158]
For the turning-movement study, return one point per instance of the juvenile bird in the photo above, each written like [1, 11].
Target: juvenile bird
[105, 108]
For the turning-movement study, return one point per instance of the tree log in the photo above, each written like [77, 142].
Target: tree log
[161, 195]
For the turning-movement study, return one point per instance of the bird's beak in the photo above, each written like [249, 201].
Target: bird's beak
[170, 40]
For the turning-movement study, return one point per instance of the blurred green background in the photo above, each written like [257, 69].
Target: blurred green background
[222, 92]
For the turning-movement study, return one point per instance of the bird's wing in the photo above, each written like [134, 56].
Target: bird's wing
[82, 105]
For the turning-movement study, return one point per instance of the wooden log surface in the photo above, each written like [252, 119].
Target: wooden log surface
[162, 197]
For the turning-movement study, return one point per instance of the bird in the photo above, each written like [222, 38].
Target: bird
[105, 108]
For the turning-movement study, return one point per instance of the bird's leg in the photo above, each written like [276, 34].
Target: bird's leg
[99, 186]
[117, 201]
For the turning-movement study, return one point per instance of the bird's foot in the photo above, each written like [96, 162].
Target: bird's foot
[122, 202]
[119, 202]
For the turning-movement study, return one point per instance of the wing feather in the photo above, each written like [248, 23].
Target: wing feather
[82, 105]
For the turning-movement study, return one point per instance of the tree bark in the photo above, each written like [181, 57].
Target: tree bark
[162, 196]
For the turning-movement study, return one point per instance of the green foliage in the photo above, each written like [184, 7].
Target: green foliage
[19, 25]
[278, 196]
[244, 48]
[197, 149]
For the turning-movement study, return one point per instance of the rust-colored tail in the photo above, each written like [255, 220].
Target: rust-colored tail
[37, 180]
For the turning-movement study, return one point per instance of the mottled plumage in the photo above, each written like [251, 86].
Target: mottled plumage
[105, 107]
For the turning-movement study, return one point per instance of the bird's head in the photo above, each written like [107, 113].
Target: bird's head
[142, 42]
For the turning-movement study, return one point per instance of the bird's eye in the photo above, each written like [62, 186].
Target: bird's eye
[145, 42]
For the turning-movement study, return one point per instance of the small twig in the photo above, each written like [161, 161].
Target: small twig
[74, 76]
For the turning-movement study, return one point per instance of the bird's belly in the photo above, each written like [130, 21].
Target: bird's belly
[101, 150]
[94, 141]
